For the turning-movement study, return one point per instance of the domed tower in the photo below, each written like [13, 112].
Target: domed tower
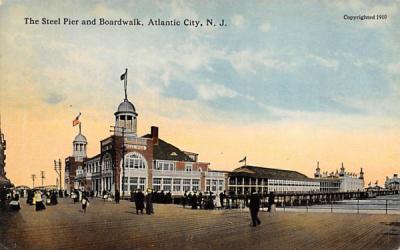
[79, 143]
[126, 116]
[317, 171]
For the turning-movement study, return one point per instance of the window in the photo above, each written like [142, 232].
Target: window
[195, 185]
[142, 183]
[157, 184]
[186, 185]
[165, 165]
[188, 167]
[125, 181]
[133, 183]
[135, 160]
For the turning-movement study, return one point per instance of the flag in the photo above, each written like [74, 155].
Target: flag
[243, 160]
[123, 76]
[76, 120]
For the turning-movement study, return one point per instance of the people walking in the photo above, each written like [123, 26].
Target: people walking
[149, 202]
[184, 199]
[14, 203]
[221, 199]
[117, 196]
[194, 201]
[271, 202]
[85, 203]
[39, 201]
[139, 202]
[254, 207]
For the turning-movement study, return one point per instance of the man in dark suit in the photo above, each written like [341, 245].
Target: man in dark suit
[254, 208]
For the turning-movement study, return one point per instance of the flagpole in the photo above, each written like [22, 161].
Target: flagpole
[125, 83]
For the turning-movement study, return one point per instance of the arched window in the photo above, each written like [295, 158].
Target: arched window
[135, 160]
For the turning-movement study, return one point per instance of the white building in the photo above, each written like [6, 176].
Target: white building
[392, 183]
[339, 181]
[248, 179]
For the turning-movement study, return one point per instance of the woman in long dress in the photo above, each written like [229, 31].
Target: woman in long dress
[39, 201]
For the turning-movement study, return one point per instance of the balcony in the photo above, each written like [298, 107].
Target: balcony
[157, 173]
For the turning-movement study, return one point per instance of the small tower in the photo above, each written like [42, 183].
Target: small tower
[342, 172]
[126, 116]
[317, 171]
[79, 144]
[361, 174]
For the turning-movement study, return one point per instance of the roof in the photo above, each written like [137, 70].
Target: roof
[126, 107]
[80, 138]
[268, 173]
[166, 151]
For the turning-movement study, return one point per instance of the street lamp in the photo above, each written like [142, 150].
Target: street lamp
[57, 168]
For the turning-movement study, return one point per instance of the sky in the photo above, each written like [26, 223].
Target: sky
[285, 84]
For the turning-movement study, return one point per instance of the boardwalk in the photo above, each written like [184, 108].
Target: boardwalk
[111, 226]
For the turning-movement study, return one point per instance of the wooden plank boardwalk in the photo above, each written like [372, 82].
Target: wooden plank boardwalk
[111, 226]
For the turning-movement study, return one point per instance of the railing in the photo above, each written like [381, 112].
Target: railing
[377, 206]
[386, 206]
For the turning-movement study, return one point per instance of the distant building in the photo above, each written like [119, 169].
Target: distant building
[392, 183]
[127, 162]
[3, 180]
[248, 179]
[339, 181]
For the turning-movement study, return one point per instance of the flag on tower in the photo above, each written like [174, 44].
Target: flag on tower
[243, 160]
[123, 76]
[76, 120]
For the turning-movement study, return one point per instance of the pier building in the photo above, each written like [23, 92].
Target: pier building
[339, 181]
[248, 179]
[392, 183]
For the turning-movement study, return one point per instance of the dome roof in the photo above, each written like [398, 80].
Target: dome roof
[80, 138]
[126, 107]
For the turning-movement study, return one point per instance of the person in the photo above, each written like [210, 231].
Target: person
[168, 198]
[14, 203]
[149, 202]
[271, 201]
[194, 201]
[217, 202]
[139, 202]
[254, 207]
[85, 203]
[104, 195]
[117, 196]
[221, 199]
[53, 198]
[184, 199]
[39, 201]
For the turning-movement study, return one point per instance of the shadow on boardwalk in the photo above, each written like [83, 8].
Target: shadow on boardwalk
[111, 226]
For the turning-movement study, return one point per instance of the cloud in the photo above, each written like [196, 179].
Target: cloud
[213, 91]
[265, 27]
[394, 68]
[238, 21]
[250, 61]
[54, 98]
[328, 63]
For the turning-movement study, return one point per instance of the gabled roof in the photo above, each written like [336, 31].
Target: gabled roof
[268, 173]
[166, 151]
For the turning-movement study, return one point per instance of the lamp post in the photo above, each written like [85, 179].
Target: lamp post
[57, 168]
[33, 180]
[43, 177]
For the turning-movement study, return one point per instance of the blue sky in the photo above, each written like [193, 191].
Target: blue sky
[293, 56]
